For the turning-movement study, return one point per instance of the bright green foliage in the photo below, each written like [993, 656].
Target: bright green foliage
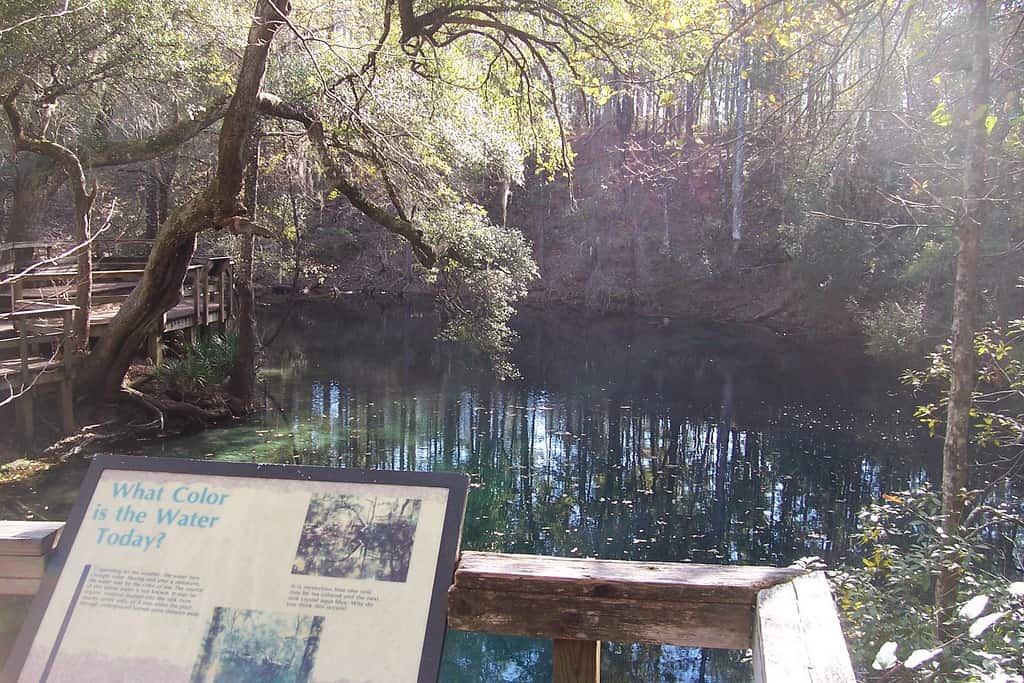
[479, 289]
[886, 601]
[998, 409]
[120, 66]
[206, 363]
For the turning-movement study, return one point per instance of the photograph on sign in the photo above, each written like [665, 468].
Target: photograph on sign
[214, 572]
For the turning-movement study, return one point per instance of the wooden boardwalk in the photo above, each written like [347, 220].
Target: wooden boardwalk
[37, 308]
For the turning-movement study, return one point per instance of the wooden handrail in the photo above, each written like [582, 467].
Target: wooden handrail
[39, 309]
[71, 274]
[786, 616]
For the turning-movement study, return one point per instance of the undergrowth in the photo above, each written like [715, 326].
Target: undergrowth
[205, 363]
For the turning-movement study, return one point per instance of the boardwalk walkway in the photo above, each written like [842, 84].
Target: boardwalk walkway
[36, 308]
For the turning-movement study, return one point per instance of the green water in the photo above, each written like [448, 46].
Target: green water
[624, 438]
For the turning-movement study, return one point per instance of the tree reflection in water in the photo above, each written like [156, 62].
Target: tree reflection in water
[623, 439]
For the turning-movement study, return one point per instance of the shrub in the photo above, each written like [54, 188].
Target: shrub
[887, 601]
[205, 363]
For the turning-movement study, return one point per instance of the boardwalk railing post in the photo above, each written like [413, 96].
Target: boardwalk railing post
[16, 291]
[576, 661]
[206, 296]
[24, 402]
[194, 329]
[222, 299]
[67, 398]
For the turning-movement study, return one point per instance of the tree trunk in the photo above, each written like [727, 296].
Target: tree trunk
[504, 193]
[157, 292]
[217, 206]
[152, 184]
[60, 156]
[965, 308]
[83, 277]
[243, 381]
[741, 142]
[34, 179]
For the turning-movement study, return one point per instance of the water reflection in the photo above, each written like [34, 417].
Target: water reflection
[624, 439]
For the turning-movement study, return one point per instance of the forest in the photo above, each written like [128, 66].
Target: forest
[784, 198]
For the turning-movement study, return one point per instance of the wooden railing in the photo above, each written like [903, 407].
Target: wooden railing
[786, 617]
[18, 254]
[44, 356]
[205, 283]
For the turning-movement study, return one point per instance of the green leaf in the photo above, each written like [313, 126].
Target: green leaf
[973, 608]
[940, 117]
[990, 123]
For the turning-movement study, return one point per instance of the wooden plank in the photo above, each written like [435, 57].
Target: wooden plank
[45, 275]
[16, 290]
[24, 414]
[661, 581]
[576, 661]
[222, 290]
[797, 635]
[154, 349]
[9, 343]
[32, 309]
[19, 586]
[827, 653]
[36, 364]
[28, 538]
[23, 351]
[777, 651]
[195, 270]
[22, 566]
[204, 284]
[539, 615]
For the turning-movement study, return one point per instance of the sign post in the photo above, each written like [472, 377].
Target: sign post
[178, 570]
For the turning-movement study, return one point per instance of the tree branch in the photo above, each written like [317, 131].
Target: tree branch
[399, 225]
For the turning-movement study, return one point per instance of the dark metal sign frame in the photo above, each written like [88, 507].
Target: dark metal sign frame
[457, 485]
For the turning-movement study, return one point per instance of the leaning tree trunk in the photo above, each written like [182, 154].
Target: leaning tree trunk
[216, 207]
[158, 291]
[965, 309]
[83, 276]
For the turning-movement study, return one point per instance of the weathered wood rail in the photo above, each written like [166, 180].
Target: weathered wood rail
[785, 617]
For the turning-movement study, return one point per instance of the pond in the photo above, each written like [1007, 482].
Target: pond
[624, 438]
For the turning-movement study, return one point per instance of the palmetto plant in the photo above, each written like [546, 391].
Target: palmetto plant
[205, 363]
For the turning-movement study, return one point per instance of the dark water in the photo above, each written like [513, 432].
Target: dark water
[624, 439]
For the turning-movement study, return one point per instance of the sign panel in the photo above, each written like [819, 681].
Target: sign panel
[203, 572]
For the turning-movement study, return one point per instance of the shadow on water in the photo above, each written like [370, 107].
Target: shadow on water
[623, 439]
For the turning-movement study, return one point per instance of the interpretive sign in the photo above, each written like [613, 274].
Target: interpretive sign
[177, 570]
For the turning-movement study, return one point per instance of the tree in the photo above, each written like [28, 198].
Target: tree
[403, 166]
[965, 301]
[125, 86]
[215, 207]
[69, 163]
